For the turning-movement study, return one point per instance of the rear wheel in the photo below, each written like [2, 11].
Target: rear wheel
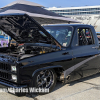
[45, 79]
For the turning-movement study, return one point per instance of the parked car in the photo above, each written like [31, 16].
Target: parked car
[64, 52]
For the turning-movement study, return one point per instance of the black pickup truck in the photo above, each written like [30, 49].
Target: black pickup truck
[48, 53]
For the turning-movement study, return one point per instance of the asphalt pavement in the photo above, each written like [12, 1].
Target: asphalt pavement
[83, 89]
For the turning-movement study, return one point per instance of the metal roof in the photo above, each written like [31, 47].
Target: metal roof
[23, 2]
[41, 15]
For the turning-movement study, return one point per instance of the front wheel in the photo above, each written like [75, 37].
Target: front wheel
[45, 79]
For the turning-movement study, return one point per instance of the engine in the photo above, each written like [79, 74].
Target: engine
[28, 49]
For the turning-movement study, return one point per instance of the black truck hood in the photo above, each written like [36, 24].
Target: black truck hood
[24, 29]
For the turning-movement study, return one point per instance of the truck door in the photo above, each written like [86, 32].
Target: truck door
[85, 53]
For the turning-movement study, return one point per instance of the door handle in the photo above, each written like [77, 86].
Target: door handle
[65, 53]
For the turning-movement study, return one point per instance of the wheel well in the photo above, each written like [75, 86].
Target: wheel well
[59, 72]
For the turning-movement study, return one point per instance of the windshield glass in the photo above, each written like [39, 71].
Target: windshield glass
[62, 34]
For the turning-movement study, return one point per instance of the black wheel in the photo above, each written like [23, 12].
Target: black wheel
[45, 79]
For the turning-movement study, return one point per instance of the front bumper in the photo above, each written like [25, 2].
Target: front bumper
[6, 85]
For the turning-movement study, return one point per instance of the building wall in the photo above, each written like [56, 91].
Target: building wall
[86, 10]
[86, 15]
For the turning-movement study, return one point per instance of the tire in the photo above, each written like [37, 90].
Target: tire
[48, 77]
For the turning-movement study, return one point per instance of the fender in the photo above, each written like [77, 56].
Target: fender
[44, 68]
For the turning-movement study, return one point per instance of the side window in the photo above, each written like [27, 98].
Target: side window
[85, 36]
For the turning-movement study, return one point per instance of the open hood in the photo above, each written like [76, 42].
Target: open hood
[24, 29]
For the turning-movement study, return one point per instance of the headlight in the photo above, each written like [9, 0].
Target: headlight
[13, 68]
[14, 78]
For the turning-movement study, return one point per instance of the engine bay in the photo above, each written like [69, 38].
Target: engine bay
[28, 49]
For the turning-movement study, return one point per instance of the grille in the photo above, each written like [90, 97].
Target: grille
[4, 75]
[4, 66]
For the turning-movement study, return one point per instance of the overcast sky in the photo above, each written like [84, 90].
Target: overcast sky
[58, 3]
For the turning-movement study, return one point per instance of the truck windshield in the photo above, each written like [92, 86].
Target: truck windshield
[62, 34]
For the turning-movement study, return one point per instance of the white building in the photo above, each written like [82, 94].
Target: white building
[87, 14]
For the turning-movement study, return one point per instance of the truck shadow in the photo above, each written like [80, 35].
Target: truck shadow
[60, 84]
[85, 79]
